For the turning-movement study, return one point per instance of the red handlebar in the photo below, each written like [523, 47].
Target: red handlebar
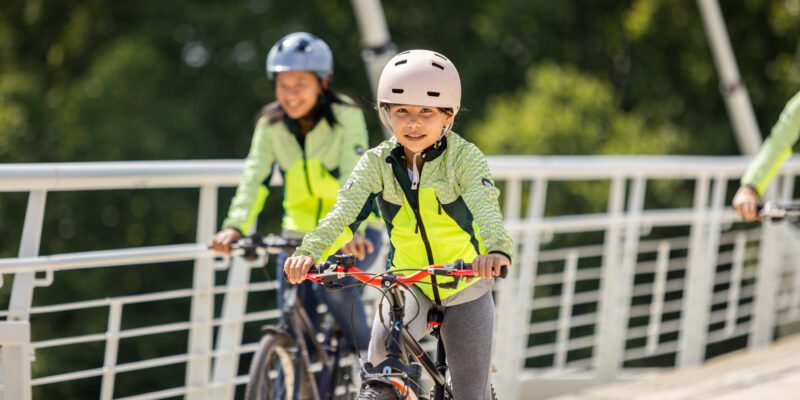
[376, 281]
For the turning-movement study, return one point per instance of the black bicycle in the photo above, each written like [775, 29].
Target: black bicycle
[398, 376]
[282, 364]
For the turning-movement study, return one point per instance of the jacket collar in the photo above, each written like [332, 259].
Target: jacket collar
[431, 153]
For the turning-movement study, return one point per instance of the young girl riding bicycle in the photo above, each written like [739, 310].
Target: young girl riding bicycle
[439, 203]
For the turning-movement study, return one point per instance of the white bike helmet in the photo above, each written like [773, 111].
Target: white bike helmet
[420, 78]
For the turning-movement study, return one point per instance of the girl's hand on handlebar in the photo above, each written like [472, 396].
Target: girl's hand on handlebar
[746, 203]
[488, 265]
[296, 268]
[222, 240]
[359, 247]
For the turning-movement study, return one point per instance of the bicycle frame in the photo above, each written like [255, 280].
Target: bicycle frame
[393, 371]
[295, 322]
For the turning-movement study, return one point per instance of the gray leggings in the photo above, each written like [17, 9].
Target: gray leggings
[467, 335]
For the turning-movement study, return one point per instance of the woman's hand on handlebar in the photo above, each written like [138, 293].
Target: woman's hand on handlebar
[746, 203]
[359, 247]
[222, 240]
[296, 267]
[488, 265]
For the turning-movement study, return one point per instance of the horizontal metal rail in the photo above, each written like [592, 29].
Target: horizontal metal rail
[560, 295]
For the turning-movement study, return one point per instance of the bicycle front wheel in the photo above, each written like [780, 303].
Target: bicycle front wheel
[379, 392]
[272, 371]
[440, 393]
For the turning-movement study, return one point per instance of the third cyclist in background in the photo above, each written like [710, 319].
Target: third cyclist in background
[775, 150]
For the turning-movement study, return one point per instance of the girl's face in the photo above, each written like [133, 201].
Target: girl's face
[417, 127]
[297, 92]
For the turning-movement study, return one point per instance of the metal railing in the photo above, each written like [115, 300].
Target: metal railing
[593, 296]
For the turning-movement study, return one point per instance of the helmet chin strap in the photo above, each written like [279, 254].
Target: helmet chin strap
[384, 114]
[414, 170]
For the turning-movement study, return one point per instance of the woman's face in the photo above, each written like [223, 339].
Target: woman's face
[417, 127]
[297, 92]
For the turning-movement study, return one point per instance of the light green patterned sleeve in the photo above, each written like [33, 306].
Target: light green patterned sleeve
[776, 149]
[481, 197]
[252, 190]
[353, 202]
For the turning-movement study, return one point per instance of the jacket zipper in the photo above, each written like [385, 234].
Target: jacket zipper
[421, 229]
[413, 199]
[308, 180]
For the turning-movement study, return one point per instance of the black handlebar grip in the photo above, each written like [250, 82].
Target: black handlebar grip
[503, 272]
[462, 265]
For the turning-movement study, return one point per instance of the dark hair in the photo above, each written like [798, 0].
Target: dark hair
[446, 110]
[274, 113]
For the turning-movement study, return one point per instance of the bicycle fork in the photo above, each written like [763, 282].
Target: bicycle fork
[392, 371]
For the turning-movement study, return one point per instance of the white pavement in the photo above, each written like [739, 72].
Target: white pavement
[768, 373]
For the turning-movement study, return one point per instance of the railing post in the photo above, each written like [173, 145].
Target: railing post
[22, 291]
[765, 303]
[514, 297]
[659, 291]
[737, 270]
[15, 355]
[617, 281]
[700, 272]
[229, 337]
[16, 350]
[565, 309]
[198, 367]
[112, 348]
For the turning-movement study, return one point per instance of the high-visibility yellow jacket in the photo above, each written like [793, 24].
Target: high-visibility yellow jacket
[454, 214]
[314, 167]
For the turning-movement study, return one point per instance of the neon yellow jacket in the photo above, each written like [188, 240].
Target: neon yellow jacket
[776, 149]
[313, 169]
[453, 215]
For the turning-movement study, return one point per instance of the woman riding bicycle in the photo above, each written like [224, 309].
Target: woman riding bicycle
[776, 149]
[439, 203]
[315, 136]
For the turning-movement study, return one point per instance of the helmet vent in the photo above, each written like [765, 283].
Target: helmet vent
[303, 45]
[401, 62]
[439, 55]
[441, 67]
[398, 91]
[433, 94]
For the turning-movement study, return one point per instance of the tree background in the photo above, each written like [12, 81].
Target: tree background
[98, 80]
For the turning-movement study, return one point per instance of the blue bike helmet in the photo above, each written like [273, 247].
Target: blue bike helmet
[300, 51]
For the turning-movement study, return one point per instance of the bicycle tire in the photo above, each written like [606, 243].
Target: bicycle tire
[378, 391]
[339, 376]
[272, 347]
[446, 395]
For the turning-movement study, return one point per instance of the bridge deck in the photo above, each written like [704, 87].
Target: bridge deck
[767, 373]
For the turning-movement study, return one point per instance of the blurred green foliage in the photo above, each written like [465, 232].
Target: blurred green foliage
[94, 80]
